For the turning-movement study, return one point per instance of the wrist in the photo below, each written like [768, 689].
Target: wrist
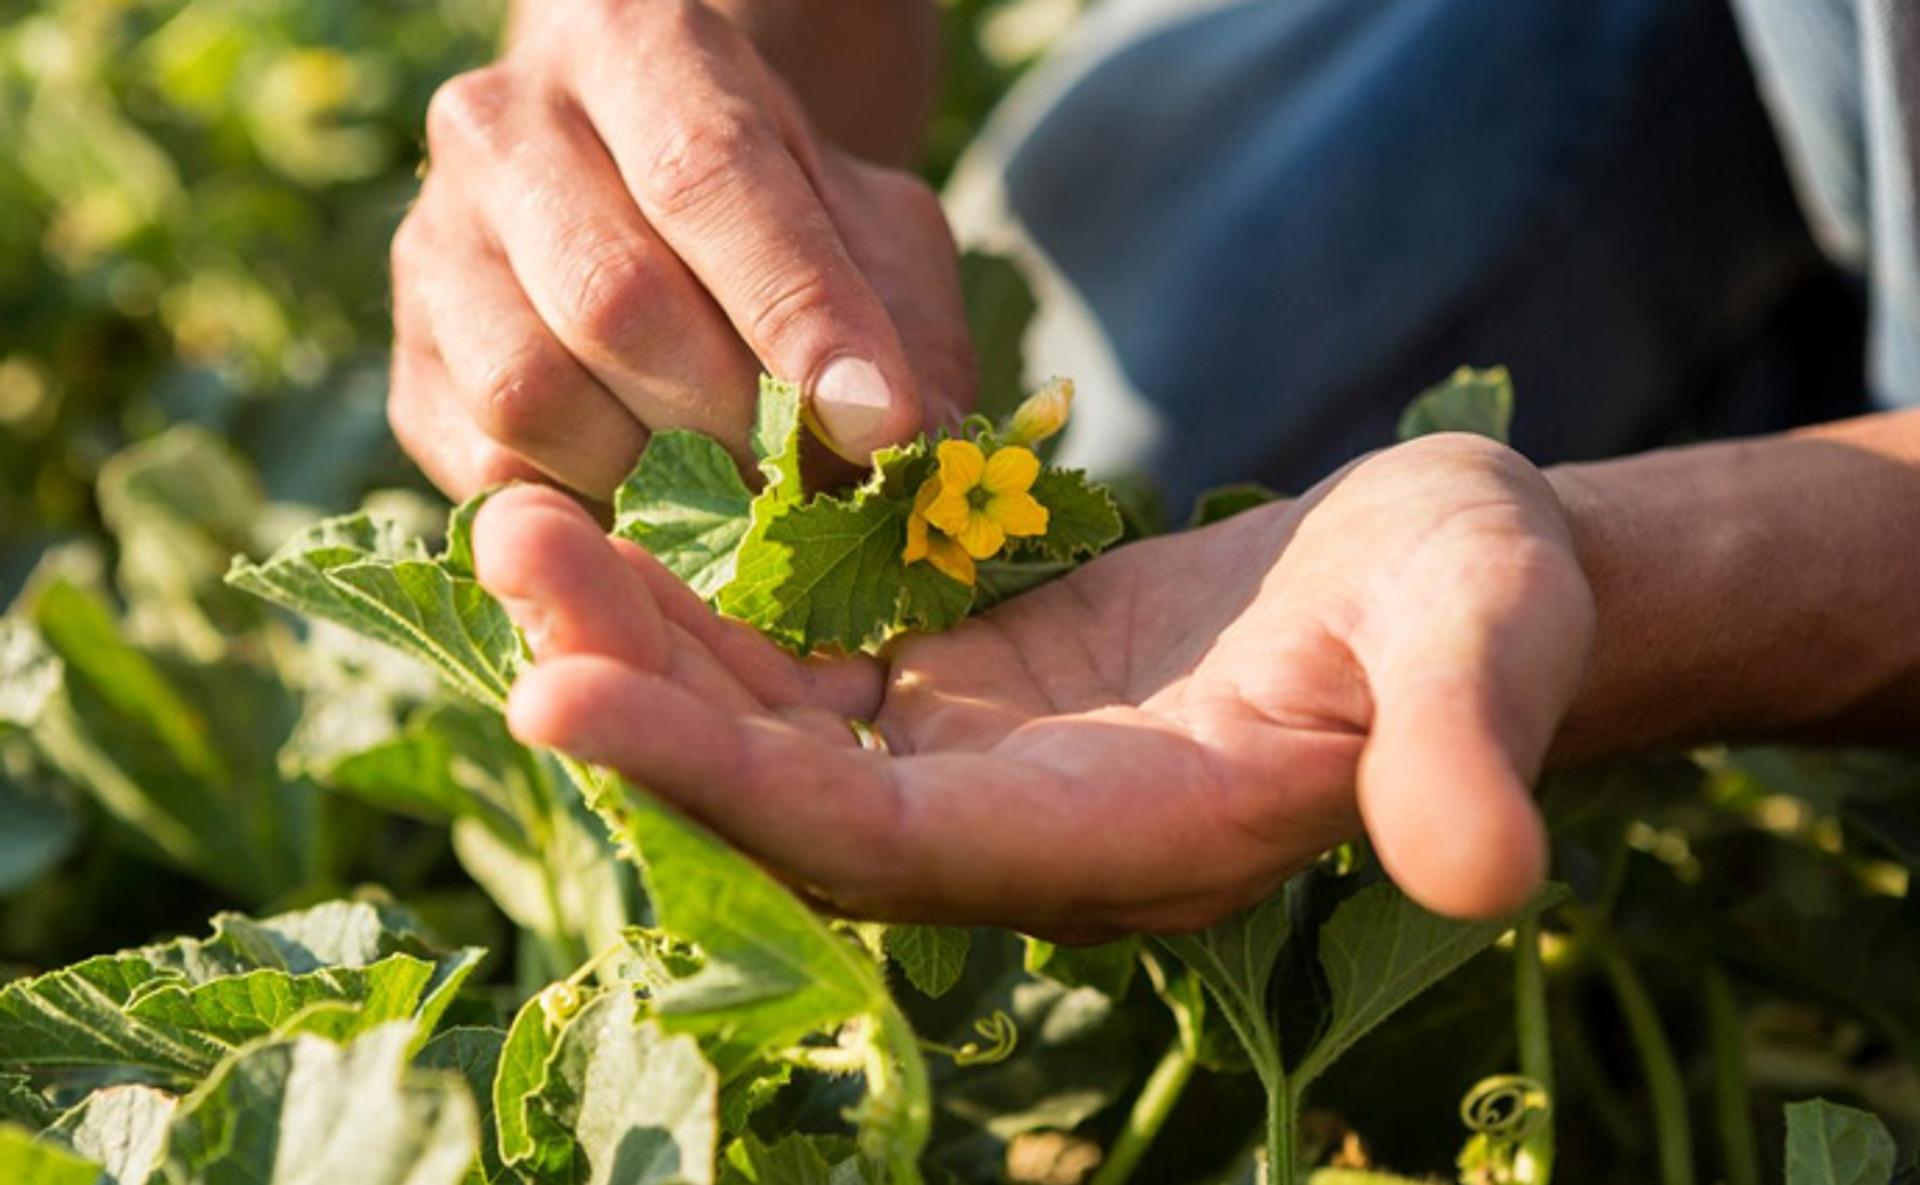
[1743, 590]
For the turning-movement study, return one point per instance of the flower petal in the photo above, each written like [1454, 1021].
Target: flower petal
[982, 537]
[1042, 413]
[917, 521]
[950, 510]
[916, 548]
[950, 558]
[961, 464]
[1018, 514]
[1010, 470]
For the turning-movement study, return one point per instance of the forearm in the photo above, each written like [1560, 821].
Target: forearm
[1766, 588]
[864, 70]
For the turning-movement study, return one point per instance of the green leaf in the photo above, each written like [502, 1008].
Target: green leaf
[415, 769]
[296, 575]
[474, 1054]
[931, 956]
[20, 1103]
[1082, 519]
[793, 1160]
[1235, 960]
[1000, 307]
[750, 1092]
[931, 600]
[1477, 401]
[1378, 951]
[571, 890]
[77, 1016]
[448, 621]
[519, 829]
[824, 573]
[776, 440]
[240, 1008]
[123, 1128]
[529, 1136]
[177, 1008]
[27, 1161]
[137, 730]
[1223, 502]
[30, 674]
[772, 973]
[1210, 1043]
[367, 574]
[308, 1110]
[1107, 968]
[685, 503]
[1828, 1144]
[457, 556]
[1002, 580]
[643, 1106]
[180, 505]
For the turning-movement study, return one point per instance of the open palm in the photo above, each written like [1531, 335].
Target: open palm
[1146, 744]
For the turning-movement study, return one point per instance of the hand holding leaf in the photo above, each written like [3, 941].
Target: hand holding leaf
[1146, 743]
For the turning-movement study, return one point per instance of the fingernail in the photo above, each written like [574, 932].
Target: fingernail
[532, 620]
[851, 400]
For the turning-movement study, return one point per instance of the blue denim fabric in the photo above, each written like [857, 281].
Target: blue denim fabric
[1843, 80]
[1288, 216]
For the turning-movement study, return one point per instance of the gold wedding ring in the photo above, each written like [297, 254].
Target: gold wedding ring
[868, 736]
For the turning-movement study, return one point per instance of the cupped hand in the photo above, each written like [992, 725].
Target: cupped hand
[625, 220]
[1147, 744]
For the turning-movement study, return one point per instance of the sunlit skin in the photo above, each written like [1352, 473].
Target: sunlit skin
[1147, 744]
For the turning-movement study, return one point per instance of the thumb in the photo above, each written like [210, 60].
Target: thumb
[1465, 708]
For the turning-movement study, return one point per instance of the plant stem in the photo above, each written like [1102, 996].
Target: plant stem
[1666, 1088]
[1283, 1122]
[1150, 1111]
[1739, 1152]
[907, 1080]
[1536, 1043]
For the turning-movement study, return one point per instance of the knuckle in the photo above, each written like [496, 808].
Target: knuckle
[468, 111]
[697, 157]
[606, 290]
[791, 306]
[518, 396]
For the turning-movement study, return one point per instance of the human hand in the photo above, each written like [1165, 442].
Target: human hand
[1146, 744]
[628, 218]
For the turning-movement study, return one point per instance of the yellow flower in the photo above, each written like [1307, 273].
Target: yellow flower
[1041, 414]
[925, 544]
[972, 506]
[984, 499]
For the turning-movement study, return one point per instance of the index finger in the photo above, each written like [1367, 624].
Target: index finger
[688, 120]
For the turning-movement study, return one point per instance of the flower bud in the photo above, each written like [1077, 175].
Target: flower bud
[1041, 414]
[559, 1003]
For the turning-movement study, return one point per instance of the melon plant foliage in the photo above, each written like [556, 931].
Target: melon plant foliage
[664, 1011]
